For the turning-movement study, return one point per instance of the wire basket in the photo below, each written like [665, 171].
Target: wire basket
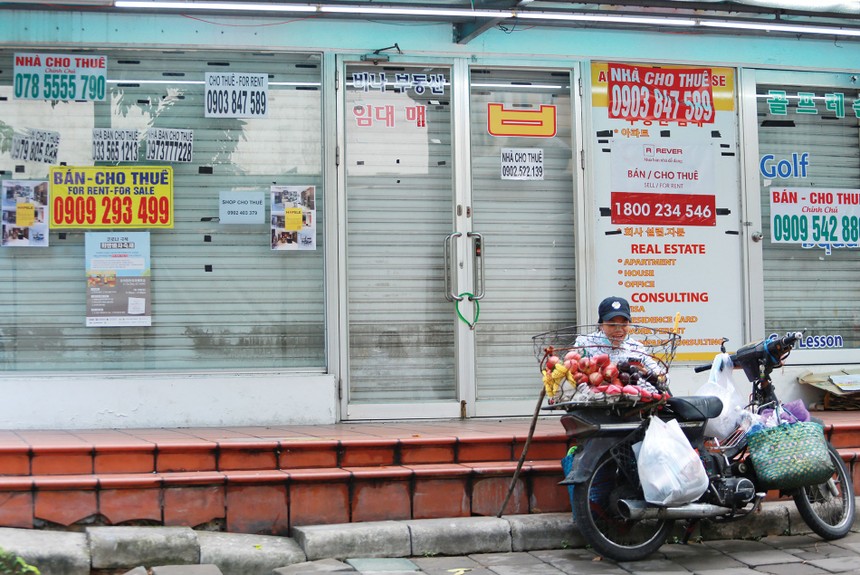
[630, 370]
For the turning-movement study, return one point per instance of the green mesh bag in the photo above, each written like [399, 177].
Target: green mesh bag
[790, 455]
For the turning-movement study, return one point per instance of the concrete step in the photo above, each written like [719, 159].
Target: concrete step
[270, 481]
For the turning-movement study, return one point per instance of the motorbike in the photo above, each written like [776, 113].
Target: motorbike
[607, 496]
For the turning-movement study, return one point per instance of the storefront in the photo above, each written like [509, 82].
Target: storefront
[249, 220]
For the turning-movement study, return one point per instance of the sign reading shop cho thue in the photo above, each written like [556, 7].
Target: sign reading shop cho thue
[111, 197]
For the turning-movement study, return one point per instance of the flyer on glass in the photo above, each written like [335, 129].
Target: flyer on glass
[294, 222]
[118, 274]
[25, 213]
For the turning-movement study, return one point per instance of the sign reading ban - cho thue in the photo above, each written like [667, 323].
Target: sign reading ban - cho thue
[111, 197]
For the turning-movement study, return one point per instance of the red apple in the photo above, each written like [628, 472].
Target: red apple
[596, 378]
[551, 361]
[584, 362]
[610, 371]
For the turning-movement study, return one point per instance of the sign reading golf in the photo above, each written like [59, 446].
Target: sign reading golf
[111, 197]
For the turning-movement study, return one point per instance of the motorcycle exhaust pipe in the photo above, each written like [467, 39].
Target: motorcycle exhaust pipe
[638, 509]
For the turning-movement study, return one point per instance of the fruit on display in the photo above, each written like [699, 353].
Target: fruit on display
[596, 378]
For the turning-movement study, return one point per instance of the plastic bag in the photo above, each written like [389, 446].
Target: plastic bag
[720, 384]
[670, 471]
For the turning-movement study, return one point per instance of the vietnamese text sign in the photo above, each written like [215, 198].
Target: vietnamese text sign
[662, 184]
[118, 274]
[111, 145]
[169, 145]
[670, 94]
[111, 197]
[823, 217]
[522, 163]
[241, 208]
[665, 226]
[60, 77]
[36, 146]
[236, 95]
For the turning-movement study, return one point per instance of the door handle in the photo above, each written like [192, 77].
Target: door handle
[449, 240]
[477, 265]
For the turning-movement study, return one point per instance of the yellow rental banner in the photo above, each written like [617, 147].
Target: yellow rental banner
[112, 197]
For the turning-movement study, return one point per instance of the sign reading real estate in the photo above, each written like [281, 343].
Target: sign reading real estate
[665, 213]
[118, 277]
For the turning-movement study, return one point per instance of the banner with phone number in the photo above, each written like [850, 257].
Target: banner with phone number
[64, 77]
[662, 93]
[112, 197]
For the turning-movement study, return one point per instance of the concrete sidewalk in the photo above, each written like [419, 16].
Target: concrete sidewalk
[517, 544]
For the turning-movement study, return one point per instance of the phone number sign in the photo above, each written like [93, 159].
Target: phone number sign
[815, 215]
[663, 209]
[236, 95]
[665, 94]
[117, 197]
[62, 77]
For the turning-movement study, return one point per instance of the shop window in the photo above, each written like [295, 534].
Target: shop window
[223, 294]
[809, 143]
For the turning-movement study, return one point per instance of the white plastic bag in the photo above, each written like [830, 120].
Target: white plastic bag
[670, 471]
[721, 385]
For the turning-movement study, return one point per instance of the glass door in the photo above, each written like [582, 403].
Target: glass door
[522, 187]
[398, 169]
[454, 258]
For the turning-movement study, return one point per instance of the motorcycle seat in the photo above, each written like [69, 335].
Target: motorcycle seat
[696, 407]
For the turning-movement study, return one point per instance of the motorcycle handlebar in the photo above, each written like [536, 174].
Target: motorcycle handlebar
[775, 349]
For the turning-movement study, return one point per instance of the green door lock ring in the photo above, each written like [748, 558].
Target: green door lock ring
[460, 298]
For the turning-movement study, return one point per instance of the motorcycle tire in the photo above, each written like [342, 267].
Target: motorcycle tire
[828, 508]
[595, 511]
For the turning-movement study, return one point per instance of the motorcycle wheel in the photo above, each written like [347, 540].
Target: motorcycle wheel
[828, 508]
[595, 508]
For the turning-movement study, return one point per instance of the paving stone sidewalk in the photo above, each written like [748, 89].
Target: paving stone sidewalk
[774, 541]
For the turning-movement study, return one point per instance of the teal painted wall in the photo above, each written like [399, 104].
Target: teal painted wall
[518, 44]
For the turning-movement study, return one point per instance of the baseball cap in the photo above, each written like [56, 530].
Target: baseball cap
[613, 307]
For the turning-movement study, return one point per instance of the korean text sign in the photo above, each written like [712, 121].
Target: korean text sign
[118, 279]
[111, 197]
